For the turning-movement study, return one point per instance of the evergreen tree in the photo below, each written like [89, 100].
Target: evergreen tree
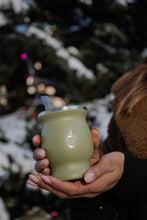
[108, 36]
[74, 50]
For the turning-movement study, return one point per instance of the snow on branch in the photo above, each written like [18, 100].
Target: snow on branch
[72, 62]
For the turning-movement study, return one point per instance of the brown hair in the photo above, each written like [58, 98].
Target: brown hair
[133, 91]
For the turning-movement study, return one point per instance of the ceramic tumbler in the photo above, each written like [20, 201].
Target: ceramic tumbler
[67, 139]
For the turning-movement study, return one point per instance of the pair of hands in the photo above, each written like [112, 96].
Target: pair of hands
[103, 174]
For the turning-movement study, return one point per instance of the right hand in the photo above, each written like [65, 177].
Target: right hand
[42, 163]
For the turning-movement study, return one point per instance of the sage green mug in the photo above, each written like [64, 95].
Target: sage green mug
[67, 140]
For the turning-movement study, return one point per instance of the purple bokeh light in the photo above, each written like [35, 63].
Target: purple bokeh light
[24, 56]
[54, 213]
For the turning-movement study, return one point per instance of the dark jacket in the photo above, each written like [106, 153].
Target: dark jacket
[127, 200]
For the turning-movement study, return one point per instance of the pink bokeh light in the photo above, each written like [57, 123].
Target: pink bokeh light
[54, 213]
[24, 56]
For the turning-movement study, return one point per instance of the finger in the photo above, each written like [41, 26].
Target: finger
[39, 154]
[37, 140]
[46, 171]
[95, 137]
[32, 183]
[35, 180]
[75, 189]
[41, 164]
[70, 189]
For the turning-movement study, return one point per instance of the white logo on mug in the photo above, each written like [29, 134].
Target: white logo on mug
[70, 139]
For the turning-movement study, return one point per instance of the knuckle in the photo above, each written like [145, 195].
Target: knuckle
[46, 162]
[35, 154]
[36, 167]
[46, 171]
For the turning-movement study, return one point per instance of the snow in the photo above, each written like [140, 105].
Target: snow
[144, 53]
[4, 162]
[18, 6]
[73, 50]
[99, 110]
[54, 43]
[21, 156]
[102, 68]
[3, 213]
[13, 128]
[3, 19]
[81, 69]
[4, 4]
[125, 2]
[87, 2]
[73, 62]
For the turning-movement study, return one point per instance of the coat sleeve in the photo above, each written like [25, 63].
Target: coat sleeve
[101, 207]
[133, 184]
[131, 187]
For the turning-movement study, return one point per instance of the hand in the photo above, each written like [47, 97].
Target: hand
[42, 164]
[99, 178]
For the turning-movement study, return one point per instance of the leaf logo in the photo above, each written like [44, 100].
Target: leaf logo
[70, 139]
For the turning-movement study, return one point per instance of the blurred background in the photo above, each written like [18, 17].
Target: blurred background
[72, 51]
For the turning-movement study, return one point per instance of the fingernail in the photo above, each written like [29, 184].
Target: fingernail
[44, 162]
[40, 153]
[89, 177]
[31, 183]
[36, 140]
[33, 140]
[96, 131]
[34, 178]
[46, 179]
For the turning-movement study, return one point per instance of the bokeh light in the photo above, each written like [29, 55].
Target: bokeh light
[30, 80]
[3, 101]
[3, 95]
[50, 90]
[54, 213]
[38, 65]
[31, 90]
[58, 102]
[3, 90]
[24, 56]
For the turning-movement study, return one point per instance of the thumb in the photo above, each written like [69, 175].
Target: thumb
[95, 172]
